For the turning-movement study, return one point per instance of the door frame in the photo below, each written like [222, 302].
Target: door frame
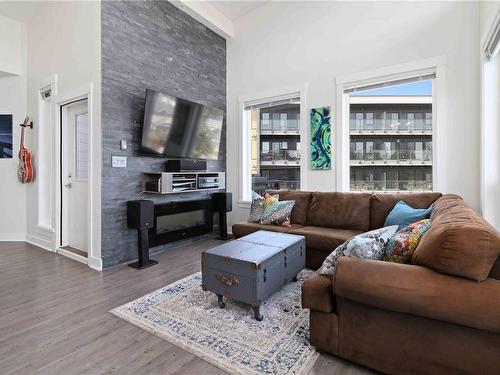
[93, 259]
[63, 238]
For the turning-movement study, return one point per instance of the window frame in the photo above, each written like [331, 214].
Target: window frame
[390, 73]
[245, 175]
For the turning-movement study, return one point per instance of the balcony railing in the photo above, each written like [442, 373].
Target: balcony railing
[385, 156]
[390, 126]
[280, 126]
[391, 185]
[280, 157]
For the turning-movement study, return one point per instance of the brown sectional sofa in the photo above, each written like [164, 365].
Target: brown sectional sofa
[329, 219]
[439, 315]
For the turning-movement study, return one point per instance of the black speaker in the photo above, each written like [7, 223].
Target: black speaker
[222, 203]
[186, 165]
[140, 214]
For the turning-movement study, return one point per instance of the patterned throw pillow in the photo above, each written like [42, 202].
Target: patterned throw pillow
[270, 199]
[278, 213]
[369, 245]
[402, 245]
[256, 208]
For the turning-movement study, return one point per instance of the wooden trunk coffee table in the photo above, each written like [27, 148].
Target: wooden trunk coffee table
[253, 267]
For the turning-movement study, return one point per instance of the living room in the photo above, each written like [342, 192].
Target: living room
[347, 150]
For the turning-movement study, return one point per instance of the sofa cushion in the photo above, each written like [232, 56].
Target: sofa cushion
[301, 198]
[242, 229]
[317, 293]
[340, 210]
[459, 242]
[382, 204]
[419, 291]
[325, 239]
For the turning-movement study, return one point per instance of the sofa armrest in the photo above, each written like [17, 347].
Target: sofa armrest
[420, 291]
[317, 293]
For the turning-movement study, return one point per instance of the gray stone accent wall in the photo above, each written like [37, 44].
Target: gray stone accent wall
[149, 45]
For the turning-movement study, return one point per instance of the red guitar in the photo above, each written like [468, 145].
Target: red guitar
[25, 168]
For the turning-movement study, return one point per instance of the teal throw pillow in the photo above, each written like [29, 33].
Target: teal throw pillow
[403, 215]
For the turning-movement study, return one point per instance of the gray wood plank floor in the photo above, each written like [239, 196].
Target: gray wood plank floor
[54, 317]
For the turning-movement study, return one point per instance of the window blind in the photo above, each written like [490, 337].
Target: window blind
[271, 102]
[391, 81]
[492, 45]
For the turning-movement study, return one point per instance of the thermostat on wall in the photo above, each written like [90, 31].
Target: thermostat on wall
[119, 161]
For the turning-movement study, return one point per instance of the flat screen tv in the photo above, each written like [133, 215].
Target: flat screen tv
[178, 128]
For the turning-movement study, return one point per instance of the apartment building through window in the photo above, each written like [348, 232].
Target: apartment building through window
[390, 133]
[275, 147]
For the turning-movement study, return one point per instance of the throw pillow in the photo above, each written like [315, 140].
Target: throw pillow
[369, 245]
[402, 245]
[270, 199]
[403, 215]
[256, 208]
[278, 213]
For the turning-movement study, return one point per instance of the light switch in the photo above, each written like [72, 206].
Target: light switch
[119, 161]
[123, 145]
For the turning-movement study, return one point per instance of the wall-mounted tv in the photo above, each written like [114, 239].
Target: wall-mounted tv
[178, 128]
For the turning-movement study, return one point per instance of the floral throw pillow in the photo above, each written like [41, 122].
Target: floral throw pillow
[256, 208]
[402, 245]
[278, 213]
[270, 199]
[369, 245]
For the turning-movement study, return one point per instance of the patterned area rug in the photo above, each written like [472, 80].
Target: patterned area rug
[229, 338]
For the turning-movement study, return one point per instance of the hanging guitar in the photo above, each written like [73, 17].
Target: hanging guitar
[25, 168]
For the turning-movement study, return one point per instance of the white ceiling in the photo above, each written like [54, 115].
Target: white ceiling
[20, 10]
[234, 9]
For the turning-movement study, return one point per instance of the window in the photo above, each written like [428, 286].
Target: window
[278, 134]
[44, 161]
[82, 146]
[369, 118]
[396, 153]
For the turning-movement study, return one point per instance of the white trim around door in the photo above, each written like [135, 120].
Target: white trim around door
[94, 181]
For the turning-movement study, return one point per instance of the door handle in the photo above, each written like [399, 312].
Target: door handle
[69, 185]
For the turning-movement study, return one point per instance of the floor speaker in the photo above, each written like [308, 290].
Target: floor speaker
[223, 203]
[140, 216]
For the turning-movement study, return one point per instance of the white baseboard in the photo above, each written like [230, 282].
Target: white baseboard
[15, 237]
[40, 242]
[72, 255]
[95, 263]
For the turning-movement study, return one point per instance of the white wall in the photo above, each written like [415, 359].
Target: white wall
[64, 38]
[296, 43]
[12, 101]
[491, 122]
[12, 54]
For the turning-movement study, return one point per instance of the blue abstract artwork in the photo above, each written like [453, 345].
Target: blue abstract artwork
[321, 129]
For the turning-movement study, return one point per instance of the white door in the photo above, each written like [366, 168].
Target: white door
[75, 156]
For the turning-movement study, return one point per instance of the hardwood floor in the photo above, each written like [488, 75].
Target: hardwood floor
[54, 317]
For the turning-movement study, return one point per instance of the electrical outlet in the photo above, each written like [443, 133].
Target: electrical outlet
[119, 161]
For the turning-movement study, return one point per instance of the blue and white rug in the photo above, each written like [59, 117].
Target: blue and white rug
[183, 314]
